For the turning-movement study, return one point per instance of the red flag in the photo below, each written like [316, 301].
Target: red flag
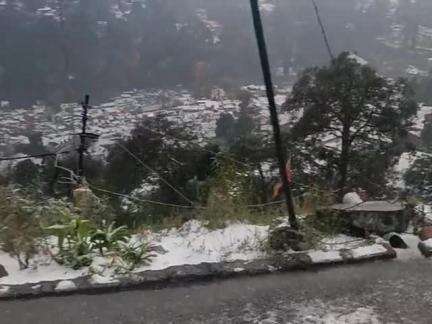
[278, 188]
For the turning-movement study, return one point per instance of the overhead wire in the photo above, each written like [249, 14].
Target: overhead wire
[155, 172]
[147, 201]
[31, 156]
[323, 30]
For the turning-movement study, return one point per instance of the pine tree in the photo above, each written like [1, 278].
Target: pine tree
[349, 113]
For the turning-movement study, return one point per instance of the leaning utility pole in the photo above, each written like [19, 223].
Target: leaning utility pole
[280, 152]
[82, 148]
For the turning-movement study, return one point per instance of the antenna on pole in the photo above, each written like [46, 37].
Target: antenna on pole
[280, 152]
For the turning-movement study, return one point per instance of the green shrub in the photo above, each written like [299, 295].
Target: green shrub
[134, 254]
[109, 238]
[20, 230]
[73, 242]
[328, 222]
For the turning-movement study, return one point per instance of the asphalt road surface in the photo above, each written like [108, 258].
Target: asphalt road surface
[398, 291]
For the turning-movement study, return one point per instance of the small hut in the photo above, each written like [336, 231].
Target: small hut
[378, 217]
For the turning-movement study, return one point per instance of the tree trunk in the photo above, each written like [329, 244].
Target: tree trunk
[344, 162]
[263, 184]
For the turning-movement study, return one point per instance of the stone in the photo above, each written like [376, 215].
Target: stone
[65, 285]
[291, 261]
[425, 248]
[395, 241]
[283, 238]
[3, 272]
[352, 198]
[425, 233]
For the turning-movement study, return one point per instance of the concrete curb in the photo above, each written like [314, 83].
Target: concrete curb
[199, 272]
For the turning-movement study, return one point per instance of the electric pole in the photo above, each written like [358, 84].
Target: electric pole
[82, 148]
[280, 151]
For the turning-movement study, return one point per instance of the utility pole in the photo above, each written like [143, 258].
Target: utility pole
[280, 152]
[82, 148]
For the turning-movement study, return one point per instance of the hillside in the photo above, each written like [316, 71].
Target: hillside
[55, 50]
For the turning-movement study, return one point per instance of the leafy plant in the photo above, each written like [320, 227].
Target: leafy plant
[74, 242]
[135, 254]
[109, 238]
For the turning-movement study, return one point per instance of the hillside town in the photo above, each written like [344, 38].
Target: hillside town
[117, 118]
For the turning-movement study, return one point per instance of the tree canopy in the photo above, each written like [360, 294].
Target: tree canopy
[349, 115]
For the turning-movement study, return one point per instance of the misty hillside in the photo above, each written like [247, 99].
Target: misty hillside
[54, 50]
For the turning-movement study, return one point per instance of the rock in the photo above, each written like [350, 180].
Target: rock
[3, 272]
[65, 285]
[291, 261]
[352, 198]
[283, 238]
[395, 241]
[425, 233]
[425, 248]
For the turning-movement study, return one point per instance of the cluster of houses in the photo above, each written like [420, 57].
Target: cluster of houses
[117, 118]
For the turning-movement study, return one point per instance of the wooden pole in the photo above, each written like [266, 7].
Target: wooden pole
[85, 107]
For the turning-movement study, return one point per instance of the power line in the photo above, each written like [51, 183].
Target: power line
[155, 172]
[197, 145]
[323, 30]
[43, 155]
[147, 201]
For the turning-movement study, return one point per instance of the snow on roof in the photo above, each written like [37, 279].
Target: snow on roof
[371, 206]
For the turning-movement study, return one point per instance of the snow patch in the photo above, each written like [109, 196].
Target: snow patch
[322, 313]
[65, 285]
[358, 59]
[100, 280]
[371, 250]
[4, 290]
[341, 241]
[412, 251]
[428, 243]
[325, 257]
[193, 244]
[43, 269]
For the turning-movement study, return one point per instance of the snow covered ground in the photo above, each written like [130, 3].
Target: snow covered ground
[193, 243]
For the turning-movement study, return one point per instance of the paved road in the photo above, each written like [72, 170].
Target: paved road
[381, 292]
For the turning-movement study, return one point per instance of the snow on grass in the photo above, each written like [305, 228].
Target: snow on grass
[99, 279]
[193, 244]
[371, 250]
[325, 257]
[47, 270]
[341, 241]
